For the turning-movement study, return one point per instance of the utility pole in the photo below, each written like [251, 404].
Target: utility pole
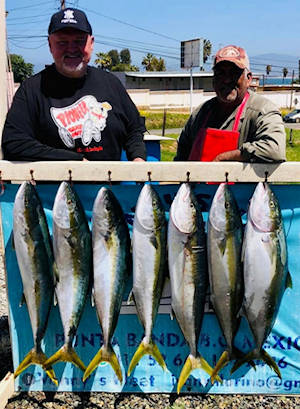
[3, 64]
[62, 4]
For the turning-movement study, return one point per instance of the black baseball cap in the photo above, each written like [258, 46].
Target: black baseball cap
[69, 18]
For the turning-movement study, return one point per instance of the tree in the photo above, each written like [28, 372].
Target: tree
[103, 60]
[284, 73]
[115, 58]
[206, 50]
[125, 67]
[125, 56]
[21, 69]
[152, 63]
[268, 69]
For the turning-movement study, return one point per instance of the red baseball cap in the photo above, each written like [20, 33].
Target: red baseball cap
[234, 54]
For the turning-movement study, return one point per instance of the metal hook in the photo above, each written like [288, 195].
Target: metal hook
[226, 177]
[2, 184]
[70, 176]
[149, 177]
[109, 176]
[188, 176]
[32, 180]
[266, 176]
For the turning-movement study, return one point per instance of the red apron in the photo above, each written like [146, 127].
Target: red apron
[210, 142]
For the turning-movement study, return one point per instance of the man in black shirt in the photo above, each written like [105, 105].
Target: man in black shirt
[70, 110]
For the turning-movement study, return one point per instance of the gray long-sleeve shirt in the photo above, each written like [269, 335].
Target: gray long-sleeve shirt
[262, 135]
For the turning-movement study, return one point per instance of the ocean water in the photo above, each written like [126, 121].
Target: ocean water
[275, 80]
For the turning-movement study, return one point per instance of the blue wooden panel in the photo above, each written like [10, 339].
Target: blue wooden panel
[283, 343]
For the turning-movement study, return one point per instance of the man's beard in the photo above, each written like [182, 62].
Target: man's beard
[77, 70]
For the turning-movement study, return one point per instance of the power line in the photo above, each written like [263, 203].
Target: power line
[132, 25]
[27, 7]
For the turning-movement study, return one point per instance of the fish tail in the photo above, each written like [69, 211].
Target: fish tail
[225, 358]
[190, 364]
[105, 354]
[39, 358]
[222, 362]
[255, 354]
[66, 354]
[146, 348]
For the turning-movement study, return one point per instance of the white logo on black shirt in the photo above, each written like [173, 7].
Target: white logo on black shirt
[85, 120]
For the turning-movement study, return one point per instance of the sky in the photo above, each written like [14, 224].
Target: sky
[158, 26]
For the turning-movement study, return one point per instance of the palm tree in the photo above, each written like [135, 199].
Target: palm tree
[103, 61]
[206, 50]
[284, 73]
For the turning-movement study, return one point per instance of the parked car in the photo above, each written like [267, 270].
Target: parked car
[293, 116]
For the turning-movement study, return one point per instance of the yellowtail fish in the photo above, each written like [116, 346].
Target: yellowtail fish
[35, 259]
[224, 247]
[73, 257]
[149, 255]
[111, 255]
[188, 274]
[266, 273]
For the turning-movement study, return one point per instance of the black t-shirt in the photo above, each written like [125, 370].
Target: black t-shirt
[53, 117]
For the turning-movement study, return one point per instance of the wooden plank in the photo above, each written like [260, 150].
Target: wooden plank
[7, 389]
[156, 171]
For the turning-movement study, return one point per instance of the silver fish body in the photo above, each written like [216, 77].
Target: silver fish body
[111, 260]
[224, 246]
[265, 269]
[149, 256]
[73, 257]
[35, 259]
[188, 273]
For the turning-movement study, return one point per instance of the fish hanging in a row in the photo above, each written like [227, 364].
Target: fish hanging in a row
[257, 287]
[73, 253]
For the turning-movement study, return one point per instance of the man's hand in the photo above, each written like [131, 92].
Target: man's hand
[235, 155]
[138, 160]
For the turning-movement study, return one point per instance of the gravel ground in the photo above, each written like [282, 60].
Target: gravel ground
[66, 400]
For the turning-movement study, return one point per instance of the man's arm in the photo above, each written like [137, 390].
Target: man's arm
[268, 144]
[19, 141]
[134, 142]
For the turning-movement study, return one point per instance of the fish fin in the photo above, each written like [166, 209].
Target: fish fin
[65, 354]
[39, 358]
[270, 362]
[190, 364]
[130, 298]
[288, 283]
[55, 301]
[262, 355]
[146, 349]
[93, 298]
[224, 359]
[153, 241]
[22, 300]
[105, 354]
[55, 272]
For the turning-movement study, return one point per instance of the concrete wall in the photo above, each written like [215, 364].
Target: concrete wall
[168, 83]
[181, 99]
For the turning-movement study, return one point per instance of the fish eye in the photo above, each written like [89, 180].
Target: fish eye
[227, 205]
[272, 204]
[69, 202]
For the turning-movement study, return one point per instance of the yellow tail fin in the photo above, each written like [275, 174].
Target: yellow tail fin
[39, 358]
[146, 348]
[190, 364]
[105, 354]
[65, 354]
[257, 354]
